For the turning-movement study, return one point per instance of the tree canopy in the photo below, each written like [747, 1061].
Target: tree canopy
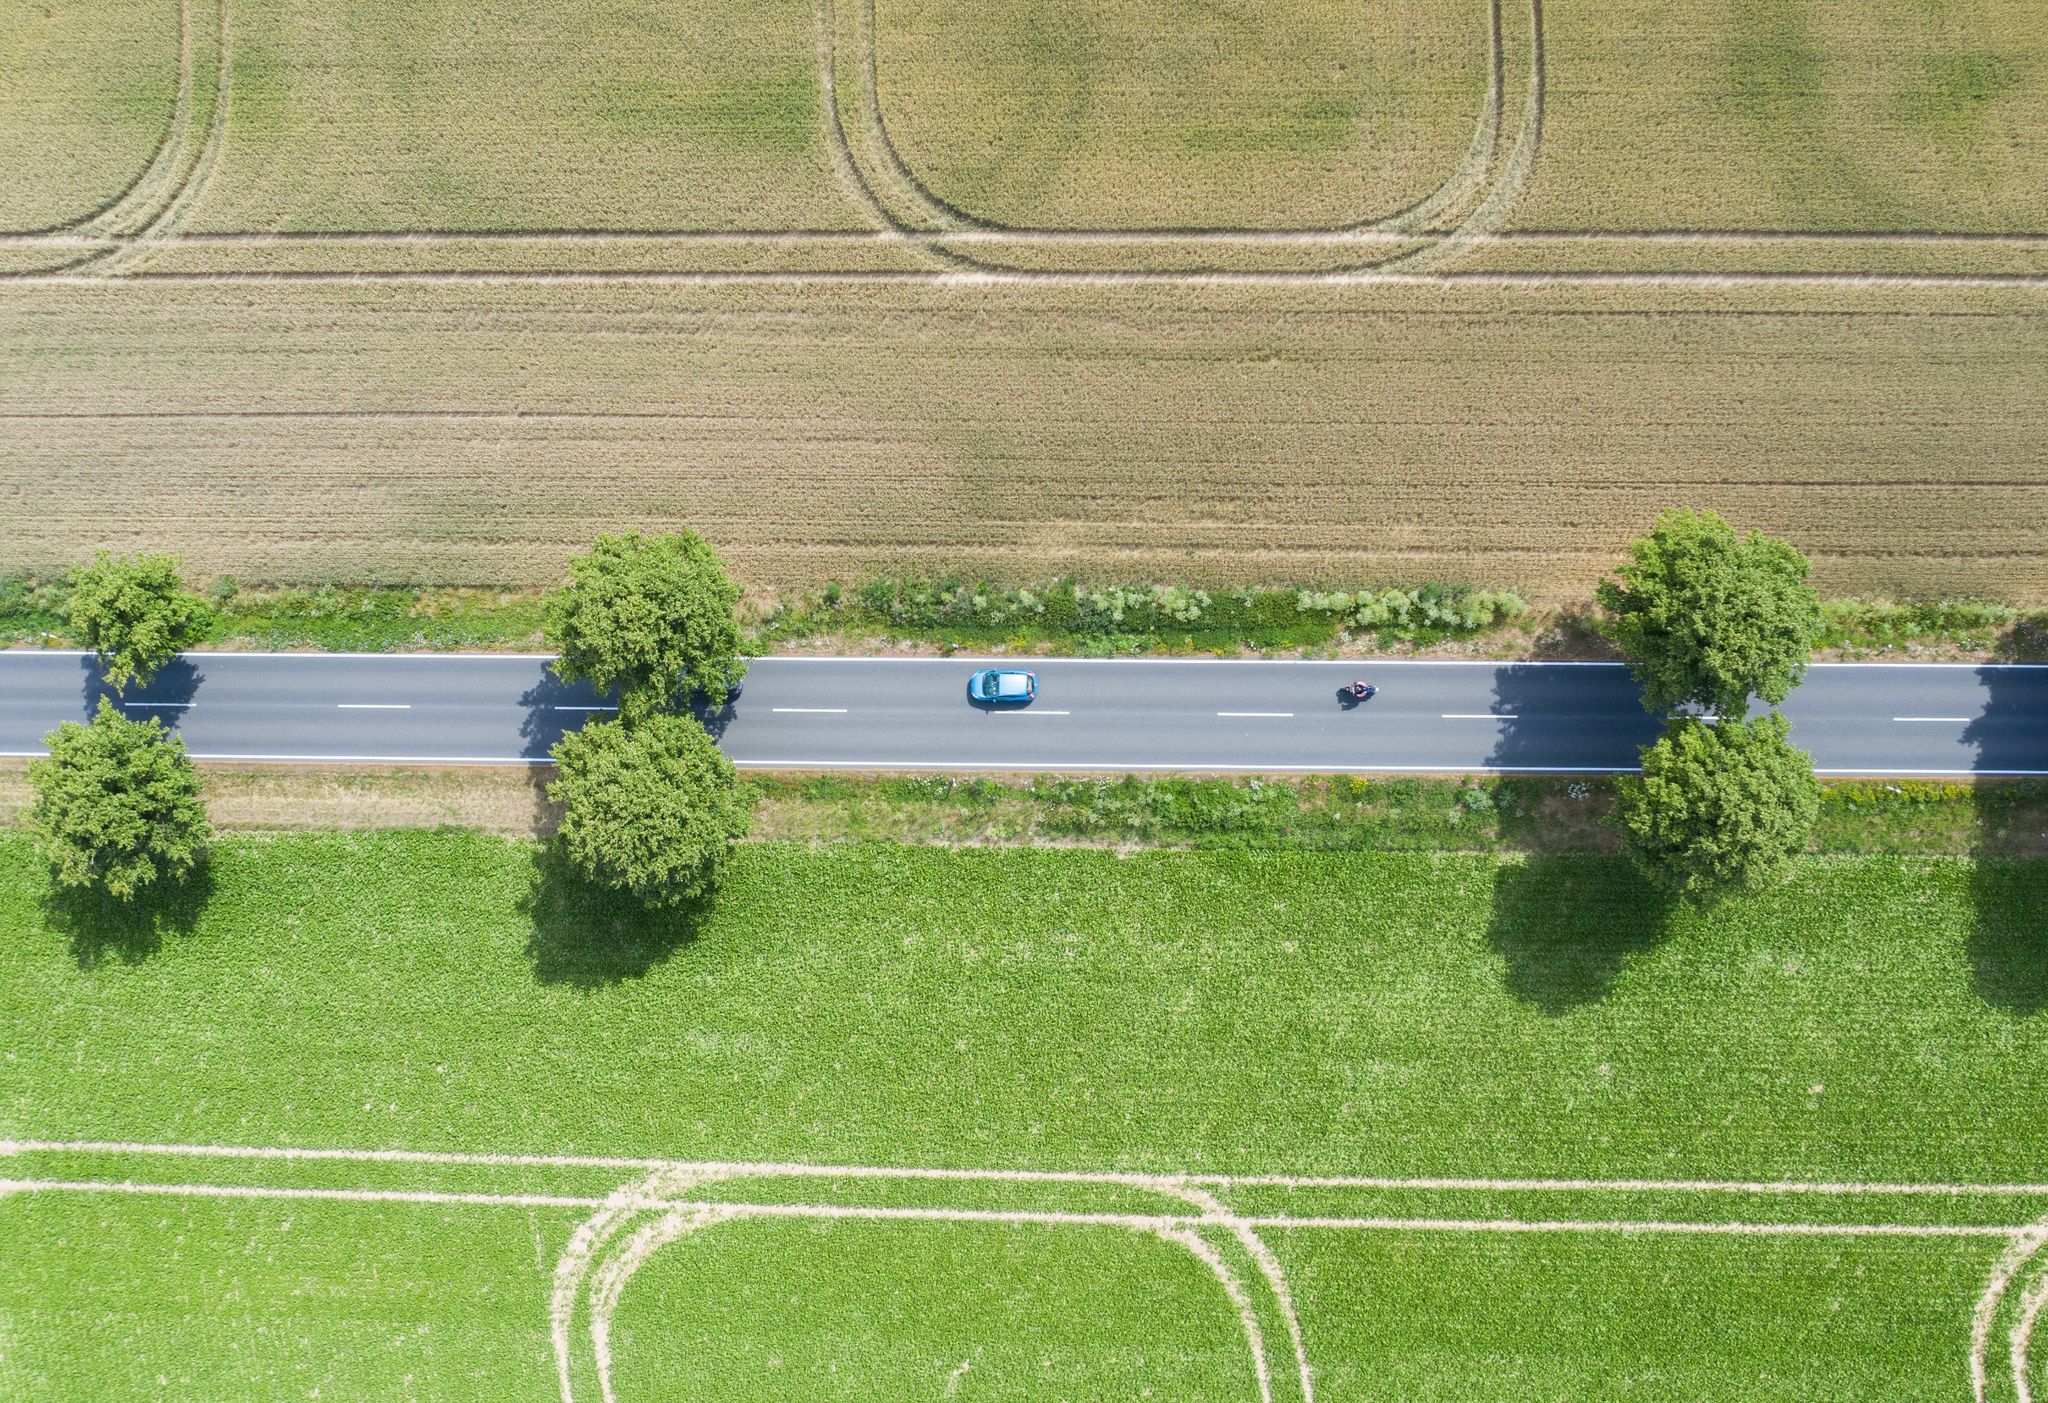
[649, 810]
[134, 613]
[117, 805]
[641, 614]
[1718, 808]
[1710, 618]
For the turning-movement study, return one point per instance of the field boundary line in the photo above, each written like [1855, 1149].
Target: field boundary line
[893, 235]
[1676, 278]
[1143, 1222]
[1123, 1178]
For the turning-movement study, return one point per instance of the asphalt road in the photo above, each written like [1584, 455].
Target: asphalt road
[1136, 714]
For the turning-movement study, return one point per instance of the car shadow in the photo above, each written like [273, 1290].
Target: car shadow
[588, 938]
[2008, 940]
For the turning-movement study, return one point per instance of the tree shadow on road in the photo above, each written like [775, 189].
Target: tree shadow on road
[2008, 942]
[165, 698]
[102, 931]
[589, 938]
[1568, 924]
[546, 722]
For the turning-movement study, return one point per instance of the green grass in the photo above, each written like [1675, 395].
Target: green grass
[1348, 813]
[929, 1006]
[1876, 1018]
[929, 1297]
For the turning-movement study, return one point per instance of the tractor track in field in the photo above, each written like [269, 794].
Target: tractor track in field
[110, 252]
[1467, 181]
[1053, 278]
[151, 212]
[1505, 238]
[107, 216]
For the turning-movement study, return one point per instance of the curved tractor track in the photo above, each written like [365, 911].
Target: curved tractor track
[122, 233]
[1483, 185]
[1419, 244]
[641, 1218]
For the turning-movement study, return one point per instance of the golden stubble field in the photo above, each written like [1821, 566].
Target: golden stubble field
[480, 432]
[432, 293]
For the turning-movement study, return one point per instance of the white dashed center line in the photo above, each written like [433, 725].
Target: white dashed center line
[373, 706]
[1255, 713]
[1953, 720]
[582, 708]
[813, 710]
[1481, 716]
[182, 706]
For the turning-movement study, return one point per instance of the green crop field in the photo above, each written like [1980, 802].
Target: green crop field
[919, 1123]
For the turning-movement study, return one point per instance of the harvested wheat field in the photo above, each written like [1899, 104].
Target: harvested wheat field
[1309, 292]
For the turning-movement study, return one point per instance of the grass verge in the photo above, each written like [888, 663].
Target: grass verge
[1063, 618]
[1341, 813]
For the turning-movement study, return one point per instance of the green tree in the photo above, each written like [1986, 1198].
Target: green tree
[1708, 617]
[117, 805]
[1718, 808]
[648, 810]
[641, 613]
[134, 613]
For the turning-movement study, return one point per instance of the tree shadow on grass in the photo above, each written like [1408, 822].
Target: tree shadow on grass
[589, 938]
[1568, 924]
[2008, 942]
[2009, 932]
[101, 930]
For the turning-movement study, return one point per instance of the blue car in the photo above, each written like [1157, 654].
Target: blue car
[1002, 686]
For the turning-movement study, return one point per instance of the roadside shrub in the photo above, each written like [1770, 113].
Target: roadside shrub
[1425, 608]
[1853, 623]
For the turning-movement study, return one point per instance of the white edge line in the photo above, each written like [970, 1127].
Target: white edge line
[336, 759]
[1249, 767]
[1240, 767]
[1050, 1217]
[1129, 1178]
[1040, 658]
[302, 655]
